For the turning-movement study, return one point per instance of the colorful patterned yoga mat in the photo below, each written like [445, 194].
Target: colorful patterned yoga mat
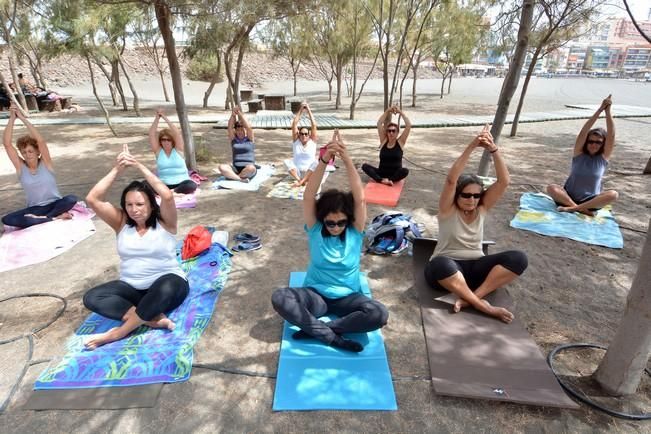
[147, 356]
[285, 190]
[538, 214]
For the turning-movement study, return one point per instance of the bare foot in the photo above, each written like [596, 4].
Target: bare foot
[296, 184]
[575, 209]
[459, 304]
[161, 322]
[244, 180]
[386, 181]
[104, 338]
[502, 314]
[64, 216]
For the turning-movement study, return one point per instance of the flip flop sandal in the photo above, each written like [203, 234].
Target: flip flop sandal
[243, 236]
[245, 246]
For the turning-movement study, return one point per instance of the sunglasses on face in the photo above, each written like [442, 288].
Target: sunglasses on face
[392, 131]
[597, 142]
[165, 139]
[304, 134]
[469, 195]
[332, 224]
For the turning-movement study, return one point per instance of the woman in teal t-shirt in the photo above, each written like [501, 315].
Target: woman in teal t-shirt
[334, 226]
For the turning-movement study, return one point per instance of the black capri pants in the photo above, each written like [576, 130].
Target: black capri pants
[113, 299]
[474, 271]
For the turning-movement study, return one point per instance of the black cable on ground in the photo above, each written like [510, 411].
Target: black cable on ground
[582, 397]
[30, 341]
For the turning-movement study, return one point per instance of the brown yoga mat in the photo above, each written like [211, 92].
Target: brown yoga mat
[473, 355]
[101, 398]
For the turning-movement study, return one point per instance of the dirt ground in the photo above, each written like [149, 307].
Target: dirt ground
[571, 292]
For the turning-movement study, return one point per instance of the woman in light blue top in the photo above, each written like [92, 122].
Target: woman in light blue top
[36, 175]
[592, 151]
[334, 226]
[168, 148]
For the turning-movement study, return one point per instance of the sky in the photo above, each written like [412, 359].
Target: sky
[640, 9]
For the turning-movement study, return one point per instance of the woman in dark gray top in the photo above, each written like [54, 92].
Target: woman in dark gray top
[240, 134]
[592, 150]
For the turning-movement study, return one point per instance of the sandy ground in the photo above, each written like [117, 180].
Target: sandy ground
[571, 292]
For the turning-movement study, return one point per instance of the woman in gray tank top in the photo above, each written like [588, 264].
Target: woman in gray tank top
[35, 172]
[241, 138]
[592, 150]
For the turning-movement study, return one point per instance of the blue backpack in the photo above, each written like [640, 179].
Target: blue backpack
[390, 233]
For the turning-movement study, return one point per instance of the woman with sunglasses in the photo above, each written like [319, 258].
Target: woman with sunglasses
[334, 224]
[241, 137]
[592, 150]
[301, 166]
[458, 264]
[391, 149]
[168, 147]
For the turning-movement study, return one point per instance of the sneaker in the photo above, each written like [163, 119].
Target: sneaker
[245, 246]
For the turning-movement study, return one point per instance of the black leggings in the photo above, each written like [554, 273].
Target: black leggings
[377, 175]
[186, 187]
[50, 211]
[474, 271]
[113, 299]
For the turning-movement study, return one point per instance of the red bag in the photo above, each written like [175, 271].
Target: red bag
[196, 242]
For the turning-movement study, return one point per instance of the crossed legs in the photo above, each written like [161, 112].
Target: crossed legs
[567, 204]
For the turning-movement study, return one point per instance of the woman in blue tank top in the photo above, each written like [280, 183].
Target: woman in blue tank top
[168, 147]
[592, 151]
[36, 175]
[240, 135]
[392, 146]
[335, 230]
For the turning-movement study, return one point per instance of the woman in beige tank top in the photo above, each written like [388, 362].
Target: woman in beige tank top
[458, 264]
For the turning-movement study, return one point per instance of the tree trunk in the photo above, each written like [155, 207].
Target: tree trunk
[14, 77]
[162, 81]
[413, 86]
[163, 17]
[136, 101]
[111, 85]
[647, 169]
[11, 95]
[450, 80]
[208, 91]
[339, 77]
[115, 78]
[295, 87]
[443, 84]
[99, 100]
[330, 90]
[525, 86]
[621, 369]
[511, 81]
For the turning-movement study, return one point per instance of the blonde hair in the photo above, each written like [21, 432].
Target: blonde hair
[166, 132]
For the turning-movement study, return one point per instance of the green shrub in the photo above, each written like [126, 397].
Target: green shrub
[203, 69]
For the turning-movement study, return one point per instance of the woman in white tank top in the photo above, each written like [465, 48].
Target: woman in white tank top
[458, 264]
[304, 161]
[151, 280]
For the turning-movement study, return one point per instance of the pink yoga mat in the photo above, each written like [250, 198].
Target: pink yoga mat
[22, 247]
[381, 194]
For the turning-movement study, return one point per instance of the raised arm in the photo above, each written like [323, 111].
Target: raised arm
[154, 143]
[113, 216]
[313, 131]
[231, 127]
[179, 144]
[381, 124]
[496, 190]
[355, 182]
[246, 125]
[7, 136]
[402, 140]
[295, 122]
[583, 134]
[446, 200]
[40, 141]
[313, 184]
[609, 146]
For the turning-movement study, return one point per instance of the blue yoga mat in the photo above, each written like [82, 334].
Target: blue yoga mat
[314, 376]
[538, 214]
[147, 355]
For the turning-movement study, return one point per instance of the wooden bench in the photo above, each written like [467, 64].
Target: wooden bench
[58, 105]
[254, 105]
[32, 103]
[246, 95]
[274, 102]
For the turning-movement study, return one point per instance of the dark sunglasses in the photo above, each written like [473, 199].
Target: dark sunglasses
[598, 142]
[469, 195]
[392, 131]
[304, 134]
[331, 223]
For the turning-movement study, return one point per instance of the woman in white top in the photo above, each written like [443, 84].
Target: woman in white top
[151, 281]
[304, 161]
[458, 264]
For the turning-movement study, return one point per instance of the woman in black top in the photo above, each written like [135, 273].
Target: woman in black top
[391, 148]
